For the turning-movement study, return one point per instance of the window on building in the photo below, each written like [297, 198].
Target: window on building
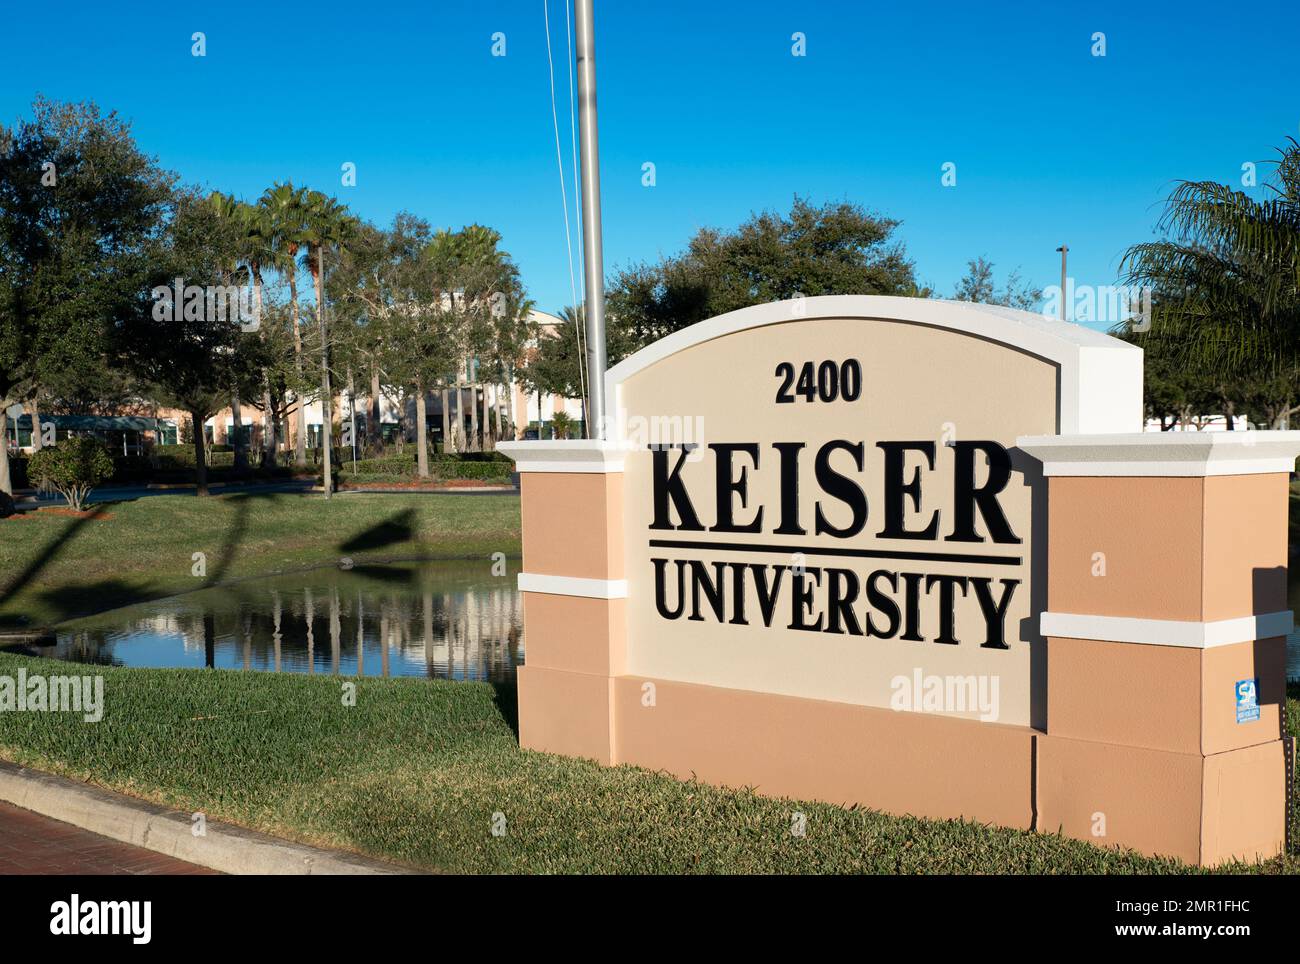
[245, 435]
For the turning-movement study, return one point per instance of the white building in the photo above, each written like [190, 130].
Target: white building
[538, 408]
[532, 413]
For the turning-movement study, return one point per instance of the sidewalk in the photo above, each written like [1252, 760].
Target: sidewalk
[139, 837]
[33, 844]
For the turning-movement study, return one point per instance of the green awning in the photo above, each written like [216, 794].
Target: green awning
[99, 423]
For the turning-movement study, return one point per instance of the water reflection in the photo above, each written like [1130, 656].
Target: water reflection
[453, 620]
[1293, 640]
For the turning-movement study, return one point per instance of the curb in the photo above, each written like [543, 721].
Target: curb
[190, 486]
[223, 847]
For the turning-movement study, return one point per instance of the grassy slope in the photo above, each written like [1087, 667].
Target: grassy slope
[53, 567]
[415, 771]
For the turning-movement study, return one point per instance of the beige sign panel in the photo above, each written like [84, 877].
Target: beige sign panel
[823, 499]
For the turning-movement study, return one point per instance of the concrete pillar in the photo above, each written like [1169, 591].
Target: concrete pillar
[574, 595]
[1166, 605]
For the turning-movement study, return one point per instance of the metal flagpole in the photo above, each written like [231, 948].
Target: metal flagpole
[592, 256]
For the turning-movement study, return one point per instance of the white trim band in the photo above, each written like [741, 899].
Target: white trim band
[1194, 454]
[565, 455]
[573, 586]
[1167, 632]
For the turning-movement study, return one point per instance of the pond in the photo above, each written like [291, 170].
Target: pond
[1293, 601]
[452, 620]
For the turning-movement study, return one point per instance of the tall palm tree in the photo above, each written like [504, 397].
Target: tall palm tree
[259, 252]
[286, 208]
[489, 281]
[235, 212]
[1226, 278]
[326, 224]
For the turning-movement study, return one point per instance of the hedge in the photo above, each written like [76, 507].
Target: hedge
[471, 457]
[452, 465]
[408, 454]
[494, 471]
[387, 465]
[182, 456]
[175, 463]
[383, 470]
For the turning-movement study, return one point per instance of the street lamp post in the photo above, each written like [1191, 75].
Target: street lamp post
[1064, 249]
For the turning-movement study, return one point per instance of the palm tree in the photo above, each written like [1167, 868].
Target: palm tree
[1226, 278]
[490, 282]
[285, 206]
[259, 252]
[513, 329]
[235, 211]
[327, 224]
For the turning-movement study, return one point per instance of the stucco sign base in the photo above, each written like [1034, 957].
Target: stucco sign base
[866, 491]
[783, 746]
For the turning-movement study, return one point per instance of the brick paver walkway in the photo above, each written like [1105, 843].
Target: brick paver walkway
[33, 844]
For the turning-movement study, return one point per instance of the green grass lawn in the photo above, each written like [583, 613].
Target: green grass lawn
[54, 567]
[416, 770]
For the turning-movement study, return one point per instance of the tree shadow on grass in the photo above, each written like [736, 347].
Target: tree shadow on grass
[229, 544]
[48, 554]
[71, 600]
[506, 696]
[400, 528]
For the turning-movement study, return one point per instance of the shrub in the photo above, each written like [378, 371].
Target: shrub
[486, 471]
[563, 424]
[182, 456]
[131, 468]
[383, 470]
[373, 478]
[72, 468]
[471, 457]
[387, 465]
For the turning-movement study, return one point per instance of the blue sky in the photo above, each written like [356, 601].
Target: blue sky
[1050, 143]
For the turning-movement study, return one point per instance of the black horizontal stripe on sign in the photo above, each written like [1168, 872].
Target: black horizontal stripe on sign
[838, 551]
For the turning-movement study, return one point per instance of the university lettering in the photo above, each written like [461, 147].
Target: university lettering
[885, 604]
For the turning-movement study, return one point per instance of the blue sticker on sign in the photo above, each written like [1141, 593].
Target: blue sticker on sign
[1247, 701]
